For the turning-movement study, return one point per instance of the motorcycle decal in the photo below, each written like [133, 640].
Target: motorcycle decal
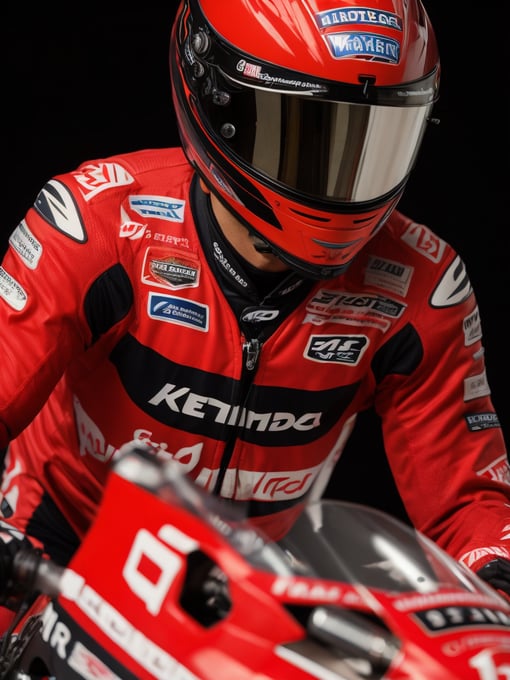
[492, 665]
[442, 619]
[74, 654]
[26, 245]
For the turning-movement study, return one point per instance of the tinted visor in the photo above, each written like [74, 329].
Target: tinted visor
[326, 150]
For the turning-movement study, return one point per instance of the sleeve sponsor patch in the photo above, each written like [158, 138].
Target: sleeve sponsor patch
[11, 291]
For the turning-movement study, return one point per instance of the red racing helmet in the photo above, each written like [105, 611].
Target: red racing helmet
[305, 117]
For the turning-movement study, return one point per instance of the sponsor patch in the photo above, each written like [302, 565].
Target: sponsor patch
[129, 228]
[11, 291]
[482, 421]
[169, 269]
[336, 349]
[98, 177]
[498, 470]
[259, 314]
[388, 274]
[440, 619]
[358, 15]
[57, 206]
[26, 245]
[454, 286]
[421, 239]
[179, 311]
[476, 386]
[472, 328]
[366, 45]
[159, 207]
[351, 308]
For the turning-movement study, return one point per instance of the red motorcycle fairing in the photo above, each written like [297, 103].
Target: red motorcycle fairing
[170, 584]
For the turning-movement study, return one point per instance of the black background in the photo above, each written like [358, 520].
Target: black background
[94, 81]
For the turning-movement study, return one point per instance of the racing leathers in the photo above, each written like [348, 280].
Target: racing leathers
[126, 315]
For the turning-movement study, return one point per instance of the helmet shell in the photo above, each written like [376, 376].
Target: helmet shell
[305, 118]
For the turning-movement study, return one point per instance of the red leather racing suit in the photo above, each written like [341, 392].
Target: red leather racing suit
[124, 315]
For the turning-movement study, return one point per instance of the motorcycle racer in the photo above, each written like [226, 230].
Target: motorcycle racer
[238, 301]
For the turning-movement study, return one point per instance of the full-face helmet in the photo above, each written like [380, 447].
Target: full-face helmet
[305, 117]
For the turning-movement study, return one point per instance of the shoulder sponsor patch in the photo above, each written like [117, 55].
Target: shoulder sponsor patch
[168, 268]
[11, 291]
[179, 311]
[424, 241]
[454, 286]
[26, 245]
[336, 349]
[98, 177]
[360, 309]
[388, 274]
[159, 207]
[56, 204]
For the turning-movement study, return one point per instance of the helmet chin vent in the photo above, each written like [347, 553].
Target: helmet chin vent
[309, 216]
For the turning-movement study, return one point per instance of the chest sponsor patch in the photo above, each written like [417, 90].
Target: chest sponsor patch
[159, 207]
[331, 306]
[336, 349]
[388, 274]
[179, 311]
[169, 268]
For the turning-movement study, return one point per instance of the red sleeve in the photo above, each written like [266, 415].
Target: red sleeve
[442, 436]
[44, 277]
